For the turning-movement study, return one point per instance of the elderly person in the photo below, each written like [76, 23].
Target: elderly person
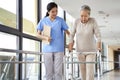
[88, 39]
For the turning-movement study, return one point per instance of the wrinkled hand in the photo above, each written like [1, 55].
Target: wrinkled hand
[70, 47]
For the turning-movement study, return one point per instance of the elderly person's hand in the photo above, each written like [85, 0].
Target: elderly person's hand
[70, 46]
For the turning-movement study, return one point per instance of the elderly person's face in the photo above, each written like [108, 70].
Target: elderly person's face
[84, 16]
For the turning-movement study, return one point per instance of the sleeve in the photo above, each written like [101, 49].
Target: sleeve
[40, 26]
[72, 32]
[64, 25]
[97, 31]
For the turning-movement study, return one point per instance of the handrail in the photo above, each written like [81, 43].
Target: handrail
[20, 51]
[21, 62]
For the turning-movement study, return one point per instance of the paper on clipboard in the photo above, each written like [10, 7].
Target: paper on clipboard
[46, 32]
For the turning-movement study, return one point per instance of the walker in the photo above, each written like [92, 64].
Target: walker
[71, 65]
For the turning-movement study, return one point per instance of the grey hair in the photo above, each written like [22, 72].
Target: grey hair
[86, 7]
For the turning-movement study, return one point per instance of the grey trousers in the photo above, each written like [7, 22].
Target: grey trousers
[87, 70]
[54, 65]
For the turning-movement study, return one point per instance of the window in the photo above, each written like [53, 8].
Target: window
[7, 41]
[8, 70]
[8, 13]
[29, 19]
[60, 12]
[31, 70]
[10, 41]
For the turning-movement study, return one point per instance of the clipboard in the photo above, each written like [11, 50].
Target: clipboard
[46, 32]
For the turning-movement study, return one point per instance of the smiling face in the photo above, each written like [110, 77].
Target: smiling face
[84, 16]
[53, 12]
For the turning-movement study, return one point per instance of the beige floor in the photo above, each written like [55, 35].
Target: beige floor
[112, 75]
